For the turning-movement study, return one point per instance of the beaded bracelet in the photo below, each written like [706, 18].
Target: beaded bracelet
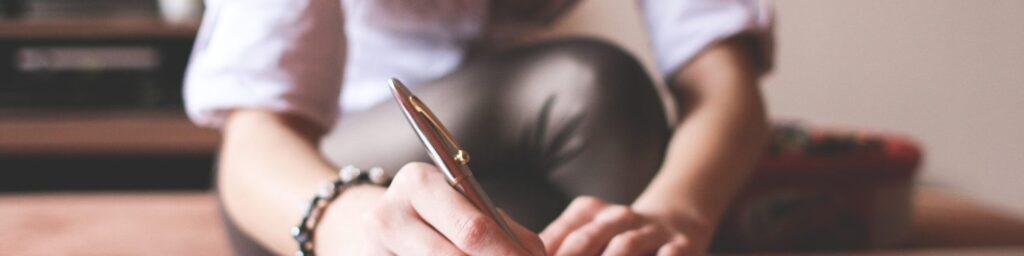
[329, 190]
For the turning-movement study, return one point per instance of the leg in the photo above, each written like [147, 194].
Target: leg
[543, 124]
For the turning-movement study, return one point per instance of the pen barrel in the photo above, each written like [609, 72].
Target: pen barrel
[472, 190]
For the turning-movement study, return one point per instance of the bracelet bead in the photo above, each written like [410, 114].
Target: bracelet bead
[328, 191]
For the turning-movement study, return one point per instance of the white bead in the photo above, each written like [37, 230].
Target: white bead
[348, 173]
[377, 175]
[327, 190]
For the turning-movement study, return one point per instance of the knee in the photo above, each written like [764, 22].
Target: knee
[600, 57]
[605, 75]
[591, 76]
[602, 69]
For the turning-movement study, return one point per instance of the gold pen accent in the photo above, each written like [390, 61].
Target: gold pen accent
[460, 179]
[460, 155]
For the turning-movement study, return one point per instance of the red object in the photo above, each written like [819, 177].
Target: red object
[824, 190]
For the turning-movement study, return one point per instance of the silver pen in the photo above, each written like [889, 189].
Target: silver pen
[445, 152]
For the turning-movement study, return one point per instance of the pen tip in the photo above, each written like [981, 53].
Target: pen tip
[397, 86]
[392, 82]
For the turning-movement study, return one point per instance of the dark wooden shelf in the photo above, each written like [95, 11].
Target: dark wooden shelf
[126, 132]
[84, 28]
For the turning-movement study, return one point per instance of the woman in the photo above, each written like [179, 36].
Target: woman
[568, 137]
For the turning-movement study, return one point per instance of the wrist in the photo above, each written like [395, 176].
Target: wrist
[306, 231]
[340, 227]
[688, 219]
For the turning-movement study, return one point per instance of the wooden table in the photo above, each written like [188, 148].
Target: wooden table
[183, 223]
[166, 223]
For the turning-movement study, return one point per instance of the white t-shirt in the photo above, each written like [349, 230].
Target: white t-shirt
[288, 55]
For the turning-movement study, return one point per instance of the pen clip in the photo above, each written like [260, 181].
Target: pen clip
[461, 156]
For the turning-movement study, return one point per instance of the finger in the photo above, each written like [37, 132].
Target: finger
[580, 212]
[400, 231]
[526, 237]
[642, 241]
[678, 247]
[670, 250]
[593, 237]
[417, 237]
[452, 215]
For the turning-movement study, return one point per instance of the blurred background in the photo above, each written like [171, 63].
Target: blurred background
[946, 72]
[92, 134]
[91, 96]
[96, 154]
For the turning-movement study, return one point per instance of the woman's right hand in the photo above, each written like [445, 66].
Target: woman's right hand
[420, 214]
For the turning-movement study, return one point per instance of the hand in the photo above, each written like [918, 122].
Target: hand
[590, 226]
[420, 214]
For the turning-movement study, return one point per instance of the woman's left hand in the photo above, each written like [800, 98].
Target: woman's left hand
[590, 226]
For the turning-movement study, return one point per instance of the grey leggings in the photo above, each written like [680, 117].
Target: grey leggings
[543, 124]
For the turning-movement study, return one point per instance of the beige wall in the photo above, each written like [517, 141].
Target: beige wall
[950, 73]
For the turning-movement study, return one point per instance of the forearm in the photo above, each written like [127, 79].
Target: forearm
[269, 169]
[713, 150]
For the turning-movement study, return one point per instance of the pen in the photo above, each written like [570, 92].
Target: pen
[445, 152]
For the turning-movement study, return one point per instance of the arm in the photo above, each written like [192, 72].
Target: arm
[267, 73]
[707, 161]
[714, 148]
[269, 167]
